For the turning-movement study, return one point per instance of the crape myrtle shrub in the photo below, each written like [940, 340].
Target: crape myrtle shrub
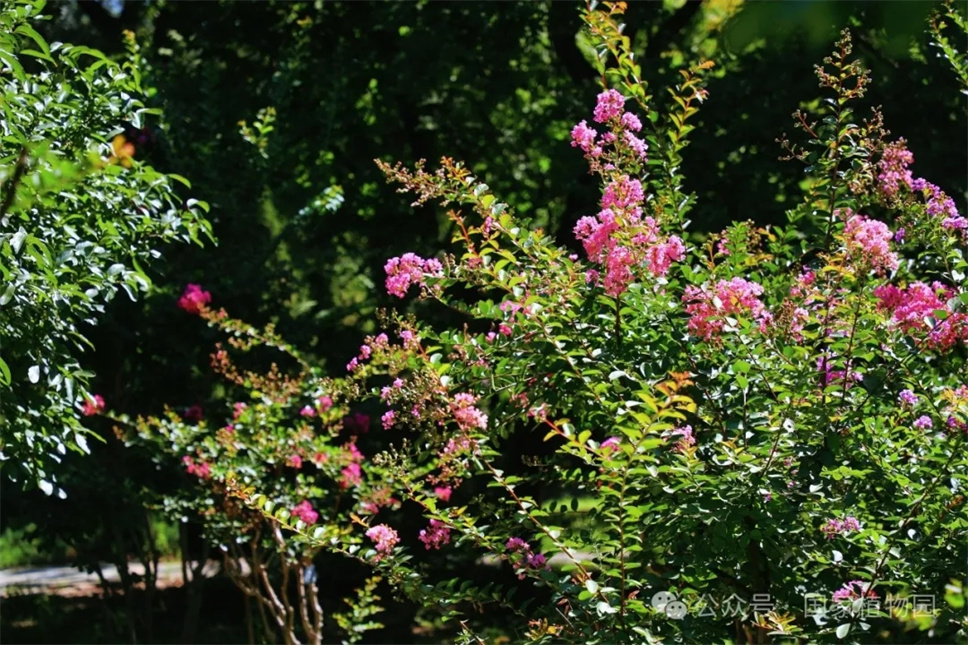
[338, 77]
[79, 217]
[774, 415]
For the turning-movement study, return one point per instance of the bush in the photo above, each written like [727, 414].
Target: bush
[79, 216]
[756, 435]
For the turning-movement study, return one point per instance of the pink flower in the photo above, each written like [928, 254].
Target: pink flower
[93, 406]
[582, 136]
[536, 561]
[661, 256]
[407, 270]
[631, 122]
[908, 397]
[517, 544]
[194, 413]
[443, 493]
[352, 476]
[193, 300]
[836, 527]
[853, 590]
[325, 403]
[623, 193]
[868, 242]
[308, 411]
[638, 145]
[385, 539]
[466, 415]
[305, 512]
[685, 438]
[388, 419]
[435, 535]
[504, 329]
[294, 461]
[913, 307]
[708, 309]
[923, 422]
[610, 444]
[239, 408]
[893, 168]
[610, 105]
[201, 470]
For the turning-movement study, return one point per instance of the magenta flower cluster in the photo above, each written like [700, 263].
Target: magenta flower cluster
[686, 438]
[621, 240]
[352, 473]
[911, 306]
[908, 397]
[93, 405]
[435, 535]
[466, 414]
[853, 590]
[868, 242]
[384, 537]
[838, 527]
[520, 553]
[194, 299]
[200, 469]
[893, 174]
[409, 269]
[610, 111]
[618, 238]
[708, 309]
[304, 511]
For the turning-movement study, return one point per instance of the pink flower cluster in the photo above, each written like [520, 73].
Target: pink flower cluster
[305, 512]
[201, 469]
[193, 300]
[709, 309]
[385, 539]
[908, 397]
[911, 306]
[893, 174]
[853, 590]
[868, 243]
[893, 168]
[388, 419]
[610, 444]
[831, 376]
[193, 413]
[837, 527]
[610, 111]
[435, 535]
[409, 269]
[685, 438]
[466, 414]
[620, 240]
[353, 472]
[93, 406]
[520, 553]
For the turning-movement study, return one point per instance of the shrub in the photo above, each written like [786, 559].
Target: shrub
[79, 216]
[756, 435]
